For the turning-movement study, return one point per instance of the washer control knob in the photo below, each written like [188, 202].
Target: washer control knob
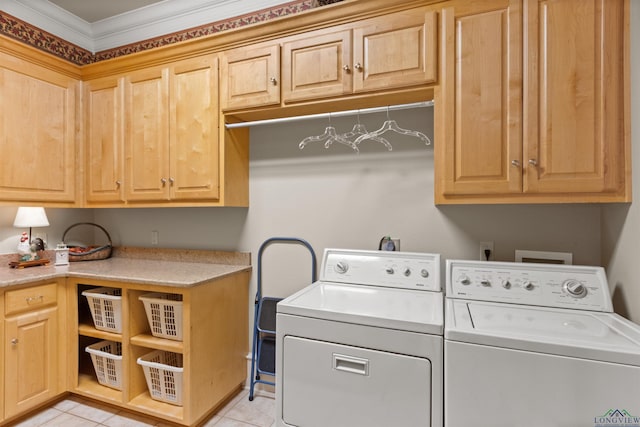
[528, 286]
[424, 273]
[485, 283]
[341, 267]
[506, 284]
[390, 270]
[575, 288]
[465, 280]
[407, 272]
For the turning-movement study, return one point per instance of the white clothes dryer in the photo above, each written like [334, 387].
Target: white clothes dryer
[363, 346]
[537, 345]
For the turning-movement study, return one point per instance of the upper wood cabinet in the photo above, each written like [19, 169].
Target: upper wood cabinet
[398, 50]
[38, 125]
[250, 77]
[556, 135]
[103, 121]
[171, 132]
[575, 92]
[317, 65]
[395, 50]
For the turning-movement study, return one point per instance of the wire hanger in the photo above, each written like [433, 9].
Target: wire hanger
[391, 125]
[360, 129]
[329, 136]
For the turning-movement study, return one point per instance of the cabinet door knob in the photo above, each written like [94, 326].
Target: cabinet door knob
[14, 341]
[273, 81]
[163, 181]
[533, 162]
[515, 163]
[171, 181]
[358, 66]
[118, 184]
[346, 68]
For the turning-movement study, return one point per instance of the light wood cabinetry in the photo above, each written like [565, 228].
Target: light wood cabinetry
[250, 76]
[395, 51]
[398, 50]
[38, 126]
[152, 134]
[33, 342]
[213, 346]
[478, 117]
[574, 91]
[317, 65]
[535, 114]
[146, 111]
[104, 135]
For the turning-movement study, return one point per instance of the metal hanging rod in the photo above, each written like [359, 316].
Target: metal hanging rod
[329, 115]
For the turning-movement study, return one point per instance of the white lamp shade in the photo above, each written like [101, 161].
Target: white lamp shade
[31, 217]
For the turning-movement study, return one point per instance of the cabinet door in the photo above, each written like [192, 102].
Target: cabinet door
[31, 353]
[103, 144]
[317, 65]
[395, 51]
[574, 138]
[37, 133]
[250, 77]
[478, 121]
[147, 135]
[194, 150]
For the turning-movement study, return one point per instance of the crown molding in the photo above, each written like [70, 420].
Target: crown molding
[145, 23]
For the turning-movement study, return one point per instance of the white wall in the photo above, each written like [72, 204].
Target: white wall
[621, 223]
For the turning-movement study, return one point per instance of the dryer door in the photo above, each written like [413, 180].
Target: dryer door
[326, 384]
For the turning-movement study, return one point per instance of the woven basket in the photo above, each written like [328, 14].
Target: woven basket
[91, 253]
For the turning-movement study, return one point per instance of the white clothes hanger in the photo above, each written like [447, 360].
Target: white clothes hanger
[329, 136]
[360, 129]
[391, 125]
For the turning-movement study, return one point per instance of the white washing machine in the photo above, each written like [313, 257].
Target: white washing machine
[363, 346]
[537, 345]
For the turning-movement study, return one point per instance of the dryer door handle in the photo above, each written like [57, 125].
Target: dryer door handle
[354, 365]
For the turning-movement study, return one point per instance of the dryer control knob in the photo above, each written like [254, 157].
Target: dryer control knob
[341, 267]
[407, 272]
[506, 284]
[390, 270]
[575, 288]
[486, 283]
[465, 280]
[424, 273]
[528, 286]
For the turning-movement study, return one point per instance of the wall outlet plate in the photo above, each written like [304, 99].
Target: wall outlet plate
[486, 246]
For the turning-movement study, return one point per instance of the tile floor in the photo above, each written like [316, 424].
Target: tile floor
[76, 411]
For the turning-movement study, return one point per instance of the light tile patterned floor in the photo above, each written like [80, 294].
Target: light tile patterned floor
[76, 411]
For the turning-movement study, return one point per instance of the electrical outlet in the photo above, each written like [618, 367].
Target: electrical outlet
[154, 237]
[486, 246]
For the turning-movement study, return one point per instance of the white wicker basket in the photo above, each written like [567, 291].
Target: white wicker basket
[106, 308]
[163, 372]
[164, 313]
[107, 362]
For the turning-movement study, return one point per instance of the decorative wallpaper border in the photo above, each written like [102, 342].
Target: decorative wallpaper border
[23, 31]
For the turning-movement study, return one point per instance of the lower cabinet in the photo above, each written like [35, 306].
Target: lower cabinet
[212, 349]
[32, 373]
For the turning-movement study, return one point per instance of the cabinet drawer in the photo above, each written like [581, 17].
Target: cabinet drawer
[30, 298]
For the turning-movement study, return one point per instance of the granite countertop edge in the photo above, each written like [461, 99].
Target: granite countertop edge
[170, 267]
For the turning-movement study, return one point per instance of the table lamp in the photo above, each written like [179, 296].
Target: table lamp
[30, 217]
